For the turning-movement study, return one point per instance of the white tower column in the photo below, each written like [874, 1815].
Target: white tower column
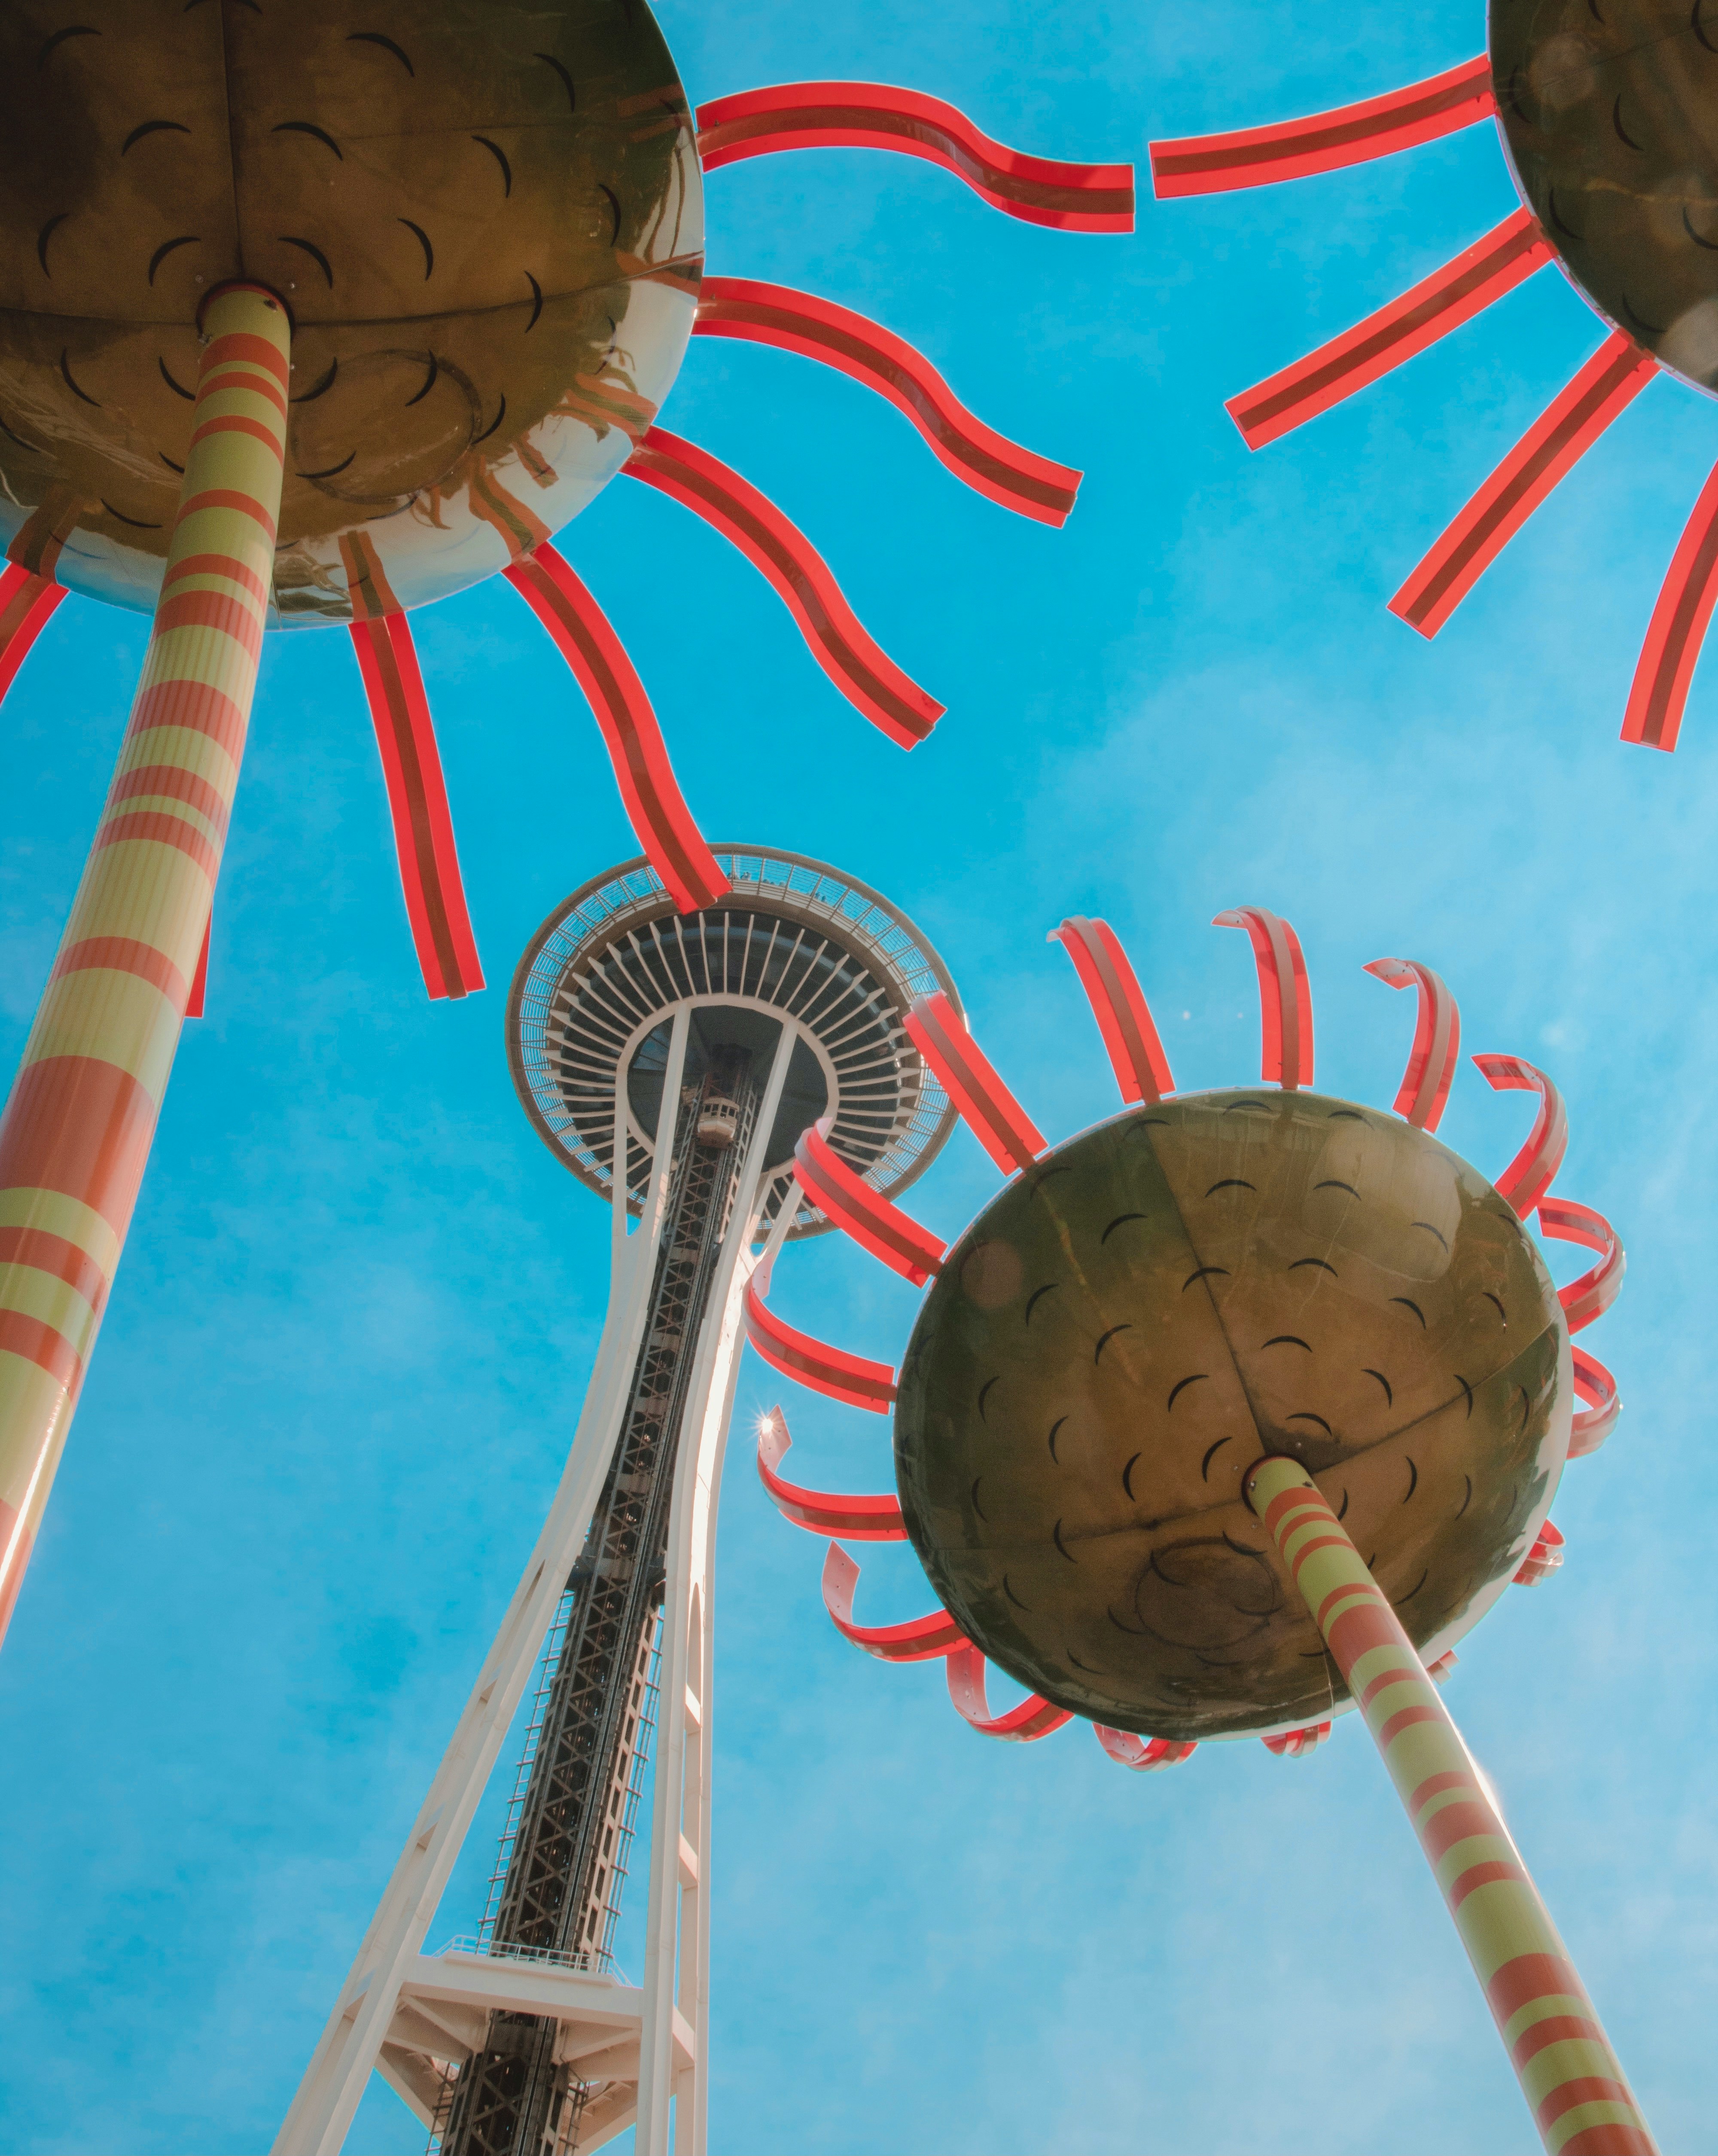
[673, 2049]
[350, 2046]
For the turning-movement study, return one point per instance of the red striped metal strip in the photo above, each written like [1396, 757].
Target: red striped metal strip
[418, 802]
[39, 540]
[26, 600]
[1594, 1424]
[1425, 1091]
[1659, 693]
[1525, 1182]
[1285, 994]
[1120, 1007]
[519, 527]
[1592, 1294]
[1326, 142]
[1143, 1754]
[1297, 1743]
[366, 582]
[195, 1000]
[863, 1519]
[863, 673]
[818, 329]
[995, 1117]
[831, 1371]
[655, 807]
[1431, 309]
[1569, 426]
[1545, 1558]
[869, 115]
[1033, 1718]
[919, 1639]
[865, 1213]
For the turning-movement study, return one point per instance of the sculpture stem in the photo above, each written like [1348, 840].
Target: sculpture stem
[1569, 2074]
[75, 1134]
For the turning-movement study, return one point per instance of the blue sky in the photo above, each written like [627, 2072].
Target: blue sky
[351, 1330]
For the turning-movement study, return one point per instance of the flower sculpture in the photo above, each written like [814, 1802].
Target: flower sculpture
[1606, 119]
[312, 315]
[489, 227]
[1196, 1350]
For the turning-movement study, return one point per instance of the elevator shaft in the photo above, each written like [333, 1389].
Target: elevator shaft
[561, 1890]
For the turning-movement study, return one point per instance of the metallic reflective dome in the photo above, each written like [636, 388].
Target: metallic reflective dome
[1159, 1301]
[1611, 118]
[485, 216]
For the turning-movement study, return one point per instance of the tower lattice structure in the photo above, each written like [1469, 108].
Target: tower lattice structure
[673, 1061]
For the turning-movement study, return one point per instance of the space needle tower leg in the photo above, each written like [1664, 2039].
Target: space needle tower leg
[340, 2068]
[1569, 2074]
[75, 1134]
[672, 2048]
[671, 1060]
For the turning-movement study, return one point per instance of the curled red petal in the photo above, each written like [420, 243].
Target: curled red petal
[655, 807]
[1594, 1424]
[1296, 1743]
[920, 1640]
[1430, 309]
[1424, 1091]
[1659, 693]
[1525, 1182]
[1119, 1004]
[195, 1002]
[1326, 141]
[1285, 994]
[832, 1371]
[1141, 1753]
[1567, 428]
[874, 1223]
[870, 116]
[818, 329]
[997, 1119]
[860, 669]
[1543, 1559]
[1033, 1718]
[1592, 1294]
[866, 1519]
[26, 600]
[418, 802]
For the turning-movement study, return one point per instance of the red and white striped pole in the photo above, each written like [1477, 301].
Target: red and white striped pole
[75, 1134]
[1569, 2075]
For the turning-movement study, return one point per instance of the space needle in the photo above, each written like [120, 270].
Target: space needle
[671, 1061]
